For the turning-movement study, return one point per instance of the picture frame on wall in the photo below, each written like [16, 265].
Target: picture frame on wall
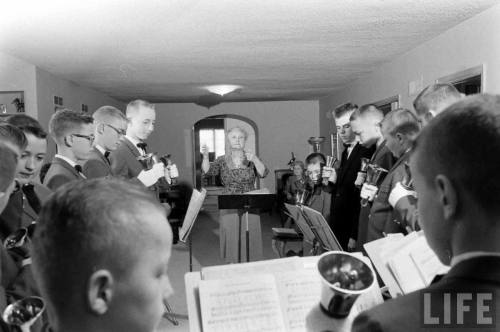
[11, 102]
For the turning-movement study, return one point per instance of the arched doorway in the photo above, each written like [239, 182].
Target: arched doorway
[211, 131]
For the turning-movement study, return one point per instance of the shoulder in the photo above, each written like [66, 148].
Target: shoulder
[400, 314]
[42, 191]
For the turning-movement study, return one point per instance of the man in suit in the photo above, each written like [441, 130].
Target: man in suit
[366, 123]
[73, 133]
[345, 196]
[26, 200]
[459, 209]
[110, 126]
[399, 128]
[100, 256]
[124, 163]
[428, 104]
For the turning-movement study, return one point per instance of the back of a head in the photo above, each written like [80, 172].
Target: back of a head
[344, 109]
[401, 121]
[370, 111]
[65, 121]
[463, 143]
[11, 135]
[86, 226]
[105, 114]
[436, 98]
[134, 106]
[7, 167]
[315, 157]
[28, 125]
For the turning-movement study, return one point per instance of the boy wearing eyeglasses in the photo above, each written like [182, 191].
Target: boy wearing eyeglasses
[110, 126]
[73, 133]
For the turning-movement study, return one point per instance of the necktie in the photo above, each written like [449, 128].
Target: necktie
[79, 169]
[142, 146]
[29, 193]
[106, 155]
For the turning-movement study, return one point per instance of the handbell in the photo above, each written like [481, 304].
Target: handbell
[16, 239]
[364, 164]
[148, 160]
[374, 175]
[24, 313]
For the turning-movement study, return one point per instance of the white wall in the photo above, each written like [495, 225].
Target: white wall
[282, 127]
[469, 44]
[48, 85]
[18, 75]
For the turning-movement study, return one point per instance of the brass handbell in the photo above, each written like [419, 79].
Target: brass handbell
[148, 160]
[24, 313]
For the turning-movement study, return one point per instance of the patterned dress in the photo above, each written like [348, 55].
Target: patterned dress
[237, 180]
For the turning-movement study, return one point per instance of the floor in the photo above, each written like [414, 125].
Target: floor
[205, 248]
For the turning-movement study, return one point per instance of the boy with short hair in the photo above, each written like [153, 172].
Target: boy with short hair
[73, 133]
[100, 257]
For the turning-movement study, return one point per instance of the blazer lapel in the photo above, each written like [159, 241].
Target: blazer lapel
[68, 167]
[131, 147]
[377, 151]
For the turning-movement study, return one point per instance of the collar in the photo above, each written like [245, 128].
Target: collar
[100, 149]
[472, 254]
[66, 159]
[134, 143]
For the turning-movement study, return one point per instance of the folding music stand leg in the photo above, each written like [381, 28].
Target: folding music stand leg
[247, 236]
[169, 313]
[239, 238]
[190, 254]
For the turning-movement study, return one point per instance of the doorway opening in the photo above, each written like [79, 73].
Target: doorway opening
[468, 82]
[211, 131]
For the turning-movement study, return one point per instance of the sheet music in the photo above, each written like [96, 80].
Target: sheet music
[374, 250]
[194, 207]
[299, 291]
[300, 221]
[264, 191]
[271, 266]
[249, 304]
[427, 262]
[324, 231]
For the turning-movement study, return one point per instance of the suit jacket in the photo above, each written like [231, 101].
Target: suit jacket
[124, 163]
[345, 196]
[59, 173]
[382, 218]
[21, 211]
[97, 166]
[382, 157]
[405, 313]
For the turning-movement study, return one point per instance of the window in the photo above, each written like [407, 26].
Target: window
[214, 139]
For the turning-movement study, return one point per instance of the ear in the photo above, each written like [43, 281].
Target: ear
[429, 115]
[400, 138]
[68, 141]
[100, 291]
[100, 128]
[447, 196]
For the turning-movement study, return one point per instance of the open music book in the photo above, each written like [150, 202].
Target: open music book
[273, 295]
[194, 207]
[405, 263]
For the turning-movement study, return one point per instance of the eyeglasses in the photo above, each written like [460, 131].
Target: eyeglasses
[90, 137]
[121, 132]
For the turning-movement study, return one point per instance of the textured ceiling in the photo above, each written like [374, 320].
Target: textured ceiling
[166, 50]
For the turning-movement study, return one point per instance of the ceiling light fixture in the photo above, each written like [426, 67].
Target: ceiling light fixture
[222, 89]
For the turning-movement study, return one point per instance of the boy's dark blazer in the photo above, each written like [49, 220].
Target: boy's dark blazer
[480, 274]
[97, 166]
[345, 196]
[59, 173]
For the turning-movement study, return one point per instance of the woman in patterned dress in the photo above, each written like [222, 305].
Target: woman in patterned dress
[238, 170]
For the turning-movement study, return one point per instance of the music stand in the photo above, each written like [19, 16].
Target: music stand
[246, 202]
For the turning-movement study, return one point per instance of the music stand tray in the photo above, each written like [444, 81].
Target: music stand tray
[246, 202]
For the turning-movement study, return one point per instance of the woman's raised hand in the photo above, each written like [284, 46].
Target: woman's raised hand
[204, 151]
